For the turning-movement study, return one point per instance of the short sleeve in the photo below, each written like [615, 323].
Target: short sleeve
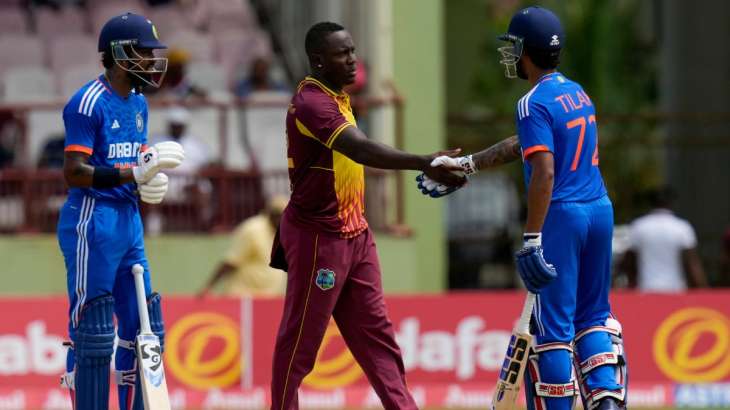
[688, 238]
[319, 117]
[238, 251]
[81, 131]
[534, 128]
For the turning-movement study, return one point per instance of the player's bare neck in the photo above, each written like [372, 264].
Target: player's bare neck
[120, 82]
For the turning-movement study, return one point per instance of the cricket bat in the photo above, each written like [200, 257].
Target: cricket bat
[149, 353]
[515, 361]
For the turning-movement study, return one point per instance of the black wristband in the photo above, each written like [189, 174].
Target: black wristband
[105, 177]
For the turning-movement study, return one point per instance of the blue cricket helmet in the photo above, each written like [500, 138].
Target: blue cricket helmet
[534, 27]
[124, 35]
[129, 29]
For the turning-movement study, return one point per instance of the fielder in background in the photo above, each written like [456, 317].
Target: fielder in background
[569, 224]
[324, 241]
[108, 169]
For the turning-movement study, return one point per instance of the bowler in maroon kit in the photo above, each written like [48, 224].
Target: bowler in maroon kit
[324, 241]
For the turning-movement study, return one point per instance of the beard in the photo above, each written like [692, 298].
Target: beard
[137, 83]
[521, 70]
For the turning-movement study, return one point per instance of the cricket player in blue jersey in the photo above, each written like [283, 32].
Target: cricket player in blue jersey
[566, 254]
[109, 168]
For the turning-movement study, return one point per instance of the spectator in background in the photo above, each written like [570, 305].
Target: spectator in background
[663, 250]
[176, 84]
[9, 136]
[246, 265]
[259, 79]
[185, 185]
[52, 152]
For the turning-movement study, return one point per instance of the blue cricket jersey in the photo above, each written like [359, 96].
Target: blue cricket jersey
[110, 128]
[556, 115]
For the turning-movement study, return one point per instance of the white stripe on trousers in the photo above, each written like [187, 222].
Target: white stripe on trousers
[82, 257]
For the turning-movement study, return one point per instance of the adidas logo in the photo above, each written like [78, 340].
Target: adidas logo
[555, 41]
[115, 124]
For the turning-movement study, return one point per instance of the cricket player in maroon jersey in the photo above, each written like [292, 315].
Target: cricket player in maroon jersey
[324, 241]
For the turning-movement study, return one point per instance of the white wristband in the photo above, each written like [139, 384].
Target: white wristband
[467, 164]
[531, 240]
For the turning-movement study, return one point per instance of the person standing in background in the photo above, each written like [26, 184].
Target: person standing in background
[663, 253]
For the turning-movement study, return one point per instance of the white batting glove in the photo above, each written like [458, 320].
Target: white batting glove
[154, 190]
[163, 155]
[465, 163]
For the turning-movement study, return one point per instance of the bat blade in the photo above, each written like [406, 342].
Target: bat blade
[515, 360]
[512, 372]
[152, 372]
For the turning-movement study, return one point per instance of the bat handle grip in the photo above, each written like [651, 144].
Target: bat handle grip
[144, 318]
[523, 325]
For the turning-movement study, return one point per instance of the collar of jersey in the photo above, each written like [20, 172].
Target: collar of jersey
[548, 76]
[109, 88]
[324, 88]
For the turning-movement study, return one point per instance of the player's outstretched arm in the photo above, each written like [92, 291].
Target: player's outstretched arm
[500, 153]
[356, 146]
[503, 152]
[78, 173]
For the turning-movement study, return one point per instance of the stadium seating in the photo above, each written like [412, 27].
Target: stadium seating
[208, 76]
[28, 84]
[71, 50]
[73, 77]
[13, 21]
[199, 45]
[20, 50]
[68, 20]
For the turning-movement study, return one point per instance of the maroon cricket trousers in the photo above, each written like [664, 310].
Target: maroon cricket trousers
[330, 276]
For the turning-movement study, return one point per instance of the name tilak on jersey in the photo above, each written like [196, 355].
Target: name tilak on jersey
[569, 104]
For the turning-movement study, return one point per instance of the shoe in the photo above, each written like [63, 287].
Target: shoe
[610, 403]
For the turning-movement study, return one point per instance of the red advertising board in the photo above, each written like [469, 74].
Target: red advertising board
[218, 351]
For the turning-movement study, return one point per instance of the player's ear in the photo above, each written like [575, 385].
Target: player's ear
[316, 60]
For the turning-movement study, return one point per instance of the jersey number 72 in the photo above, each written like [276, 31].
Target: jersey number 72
[581, 122]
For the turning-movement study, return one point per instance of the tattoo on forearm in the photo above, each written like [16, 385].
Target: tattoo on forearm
[500, 153]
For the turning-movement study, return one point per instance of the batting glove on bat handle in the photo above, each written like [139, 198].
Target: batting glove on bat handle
[535, 272]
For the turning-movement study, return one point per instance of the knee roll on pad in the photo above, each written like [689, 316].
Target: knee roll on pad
[601, 364]
[154, 306]
[549, 377]
[93, 347]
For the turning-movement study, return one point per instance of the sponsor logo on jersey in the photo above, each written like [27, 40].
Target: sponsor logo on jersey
[124, 150]
[115, 124]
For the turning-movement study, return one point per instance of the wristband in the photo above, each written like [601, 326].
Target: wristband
[105, 177]
[467, 164]
[532, 239]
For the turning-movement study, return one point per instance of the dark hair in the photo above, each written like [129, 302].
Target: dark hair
[660, 197]
[544, 59]
[107, 60]
[314, 41]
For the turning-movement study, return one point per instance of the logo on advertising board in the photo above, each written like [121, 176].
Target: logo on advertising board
[203, 350]
[693, 345]
[335, 365]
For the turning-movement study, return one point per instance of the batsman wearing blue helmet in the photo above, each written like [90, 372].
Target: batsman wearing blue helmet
[109, 168]
[566, 254]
